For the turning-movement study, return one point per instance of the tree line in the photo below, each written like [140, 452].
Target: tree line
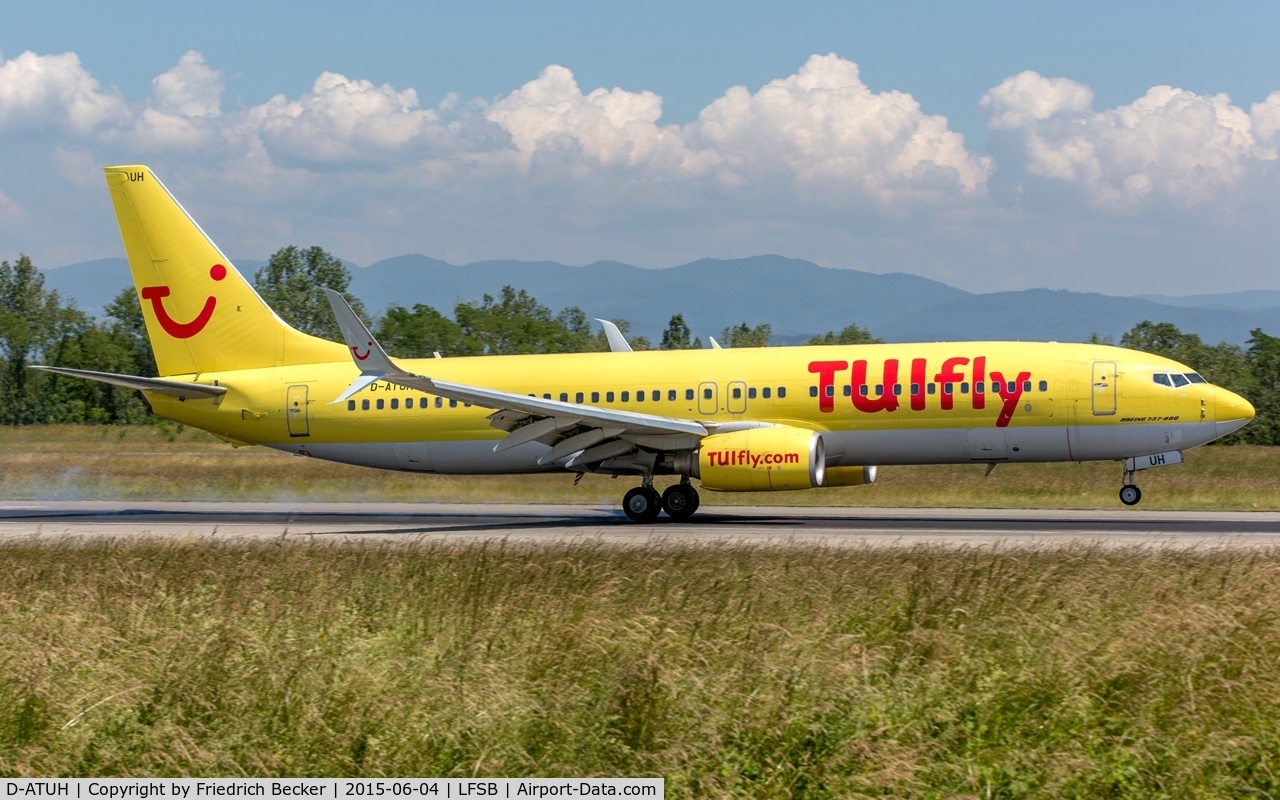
[37, 326]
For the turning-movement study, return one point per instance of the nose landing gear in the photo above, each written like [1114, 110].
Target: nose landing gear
[642, 504]
[1130, 494]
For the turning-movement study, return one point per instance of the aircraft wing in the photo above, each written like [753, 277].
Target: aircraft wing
[570, 427]
[179, 389]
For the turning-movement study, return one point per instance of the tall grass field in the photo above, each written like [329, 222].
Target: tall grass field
[169, 463]
[731, 671]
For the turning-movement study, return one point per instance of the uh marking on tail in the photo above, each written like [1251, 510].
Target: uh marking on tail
[182, 330]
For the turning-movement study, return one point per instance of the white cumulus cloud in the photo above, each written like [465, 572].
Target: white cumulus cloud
[344, 121]
[54, 92]
[827, 130]
[1170, 145]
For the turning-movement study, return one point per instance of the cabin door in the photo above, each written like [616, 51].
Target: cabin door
[296, 411]
[737, 399]
[1104, 387]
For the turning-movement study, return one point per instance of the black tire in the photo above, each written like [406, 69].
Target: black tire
[680, 501]
[1130, 495]
[642, 504]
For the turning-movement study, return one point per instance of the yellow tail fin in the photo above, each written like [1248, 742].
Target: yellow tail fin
[202, 316]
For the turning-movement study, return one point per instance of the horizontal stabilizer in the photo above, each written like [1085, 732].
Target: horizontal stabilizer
[179, 389]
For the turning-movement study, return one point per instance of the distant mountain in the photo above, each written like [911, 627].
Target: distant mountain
[796, 297]
[799, 298]
[1047, 315]
[1240, 301]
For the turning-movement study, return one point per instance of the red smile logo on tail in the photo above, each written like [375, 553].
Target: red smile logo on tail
[182, 330]
[355, 351]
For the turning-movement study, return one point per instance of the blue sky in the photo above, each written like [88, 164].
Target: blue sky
[993, 146]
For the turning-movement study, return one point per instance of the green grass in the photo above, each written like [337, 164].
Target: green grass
[730, 671]
[153, 463]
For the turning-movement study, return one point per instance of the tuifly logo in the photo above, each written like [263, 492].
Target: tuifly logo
[182, 330]
[355, 351]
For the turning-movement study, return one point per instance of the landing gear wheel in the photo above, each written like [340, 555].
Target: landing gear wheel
[1130, 495]
[642, 504]
[680, 501]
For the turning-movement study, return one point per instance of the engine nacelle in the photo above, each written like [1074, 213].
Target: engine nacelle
[762, 460]
[849, 476]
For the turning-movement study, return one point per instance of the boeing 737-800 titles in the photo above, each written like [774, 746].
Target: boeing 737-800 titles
[738, 420]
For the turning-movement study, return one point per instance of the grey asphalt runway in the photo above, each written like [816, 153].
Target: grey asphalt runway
[338, 522]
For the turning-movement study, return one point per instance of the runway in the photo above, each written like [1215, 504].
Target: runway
[836, 527]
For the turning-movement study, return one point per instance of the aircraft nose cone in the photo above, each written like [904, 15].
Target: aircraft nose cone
[1231, 411]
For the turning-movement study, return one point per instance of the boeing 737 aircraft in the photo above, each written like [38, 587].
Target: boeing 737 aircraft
[737, 420]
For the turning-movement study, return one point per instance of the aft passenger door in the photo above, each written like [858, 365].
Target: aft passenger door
[296, 411]
[1104, 387]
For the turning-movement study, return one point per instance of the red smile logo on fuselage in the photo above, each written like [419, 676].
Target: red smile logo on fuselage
[182, 330]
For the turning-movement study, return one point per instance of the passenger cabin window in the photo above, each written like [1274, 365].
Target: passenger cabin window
[453, 404]
[848, 390]
[751, 393]
[671, 395]
[395, 403]
[626, 397]
[765, 392]
[577, 398]
[564, 397]
[639, 396]
[933, 388]
[915, 388]
[831, 391]
[964, 387]
[608, 397]
[1026, 386]
[351, 405]
[1044, 386]
[737, 393]
[381, 404]
[688, 394]
[546, 395]
[979, 387]
[948, 388]
[439, 402]
[595, 397]
[1194, 377]
[879, 389]
[364, 405]
[1179, 379]
[782, 392]
[706, 394]
[897, 388]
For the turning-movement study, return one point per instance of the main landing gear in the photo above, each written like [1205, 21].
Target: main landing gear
[642, 504]
[1130, 494]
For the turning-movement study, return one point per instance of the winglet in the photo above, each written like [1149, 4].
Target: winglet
[714, 344]
[368, 355]
[617, 342]
[365, 350]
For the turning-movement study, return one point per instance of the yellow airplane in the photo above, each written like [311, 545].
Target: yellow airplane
[755, 419]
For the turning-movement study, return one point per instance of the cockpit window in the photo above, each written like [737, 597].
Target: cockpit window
[1179, 379]
[1194, 377]
[1161, 379]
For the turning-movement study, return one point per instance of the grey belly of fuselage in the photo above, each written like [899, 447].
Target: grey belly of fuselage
[843, 448]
